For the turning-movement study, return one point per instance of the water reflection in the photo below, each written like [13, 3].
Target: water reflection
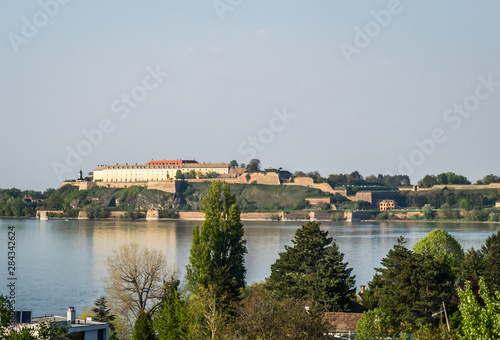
[62, 263]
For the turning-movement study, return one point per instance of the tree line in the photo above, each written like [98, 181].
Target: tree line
[215, 302]
[407, 295]
[309, 278]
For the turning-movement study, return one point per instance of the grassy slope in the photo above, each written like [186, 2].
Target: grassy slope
[253, 197]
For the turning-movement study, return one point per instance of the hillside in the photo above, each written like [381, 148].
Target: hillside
[250, 197]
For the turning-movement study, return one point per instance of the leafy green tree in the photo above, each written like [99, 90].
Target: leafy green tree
[428, 181]
[47, 331]
[374, 324]
[212, 174]
[491, 253]
[442, 246]
[23, 334]
[427, 212]
[465, 204]
[253, 165]
[479, 321]
[411, 286]
[233, 164]
[447, 213]
[179, 175]
[489, 179]
[5, 311]
[451, 178]
[210, 319]
[472, 267]
[313, 270]
[218, 249]
[261, 315]
[431, 332]
[143, 328]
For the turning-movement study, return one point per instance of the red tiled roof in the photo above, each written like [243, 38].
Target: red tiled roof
[171, 162]
[340, 322]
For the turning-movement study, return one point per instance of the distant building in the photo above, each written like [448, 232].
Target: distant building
[387, 205]
[341, 325]
[77, 328]
[155, 170]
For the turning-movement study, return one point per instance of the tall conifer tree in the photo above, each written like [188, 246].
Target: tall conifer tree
[218, 250]
[491, 253]
[313, 270]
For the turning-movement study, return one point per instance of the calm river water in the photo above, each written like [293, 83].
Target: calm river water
[61, 263]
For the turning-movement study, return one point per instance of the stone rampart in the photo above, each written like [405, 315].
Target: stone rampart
[44, 215]
[259, 216]
[120, 184]
[152, 215]
[309, 182]
[116, 214]
[166, 186]
[191, 215]
[466, 186]
[267, 178]
[408, 215]
[316, 201]
[82, 185]
[362, 196]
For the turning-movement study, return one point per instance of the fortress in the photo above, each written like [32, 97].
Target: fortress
[157, 171]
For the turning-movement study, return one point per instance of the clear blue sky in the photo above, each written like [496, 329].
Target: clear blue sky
[333, 86]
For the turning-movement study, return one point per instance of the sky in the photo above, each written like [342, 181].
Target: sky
[391, 87]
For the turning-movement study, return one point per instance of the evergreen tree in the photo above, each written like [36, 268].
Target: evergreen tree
[411, 286]
[173, 319]
[311, 270]
[334, 287]
[143, 329]
[491, 253]
[101, 310]
[472, 267]
[103, 314]
[218, 250]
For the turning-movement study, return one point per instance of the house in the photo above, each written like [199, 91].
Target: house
[77, 328]
[342, 325]
[387, 205]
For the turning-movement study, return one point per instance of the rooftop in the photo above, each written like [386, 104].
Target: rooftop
[61, 319]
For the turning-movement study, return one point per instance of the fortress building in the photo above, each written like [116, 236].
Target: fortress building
[156, 170]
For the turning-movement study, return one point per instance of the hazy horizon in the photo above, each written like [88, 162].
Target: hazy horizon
[398, 87]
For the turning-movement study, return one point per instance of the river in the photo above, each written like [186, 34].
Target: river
[62, 263]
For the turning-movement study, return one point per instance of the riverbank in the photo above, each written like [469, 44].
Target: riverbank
[259, 219]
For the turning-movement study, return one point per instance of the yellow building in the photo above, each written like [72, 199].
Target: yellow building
[155, 170]
[387, 205]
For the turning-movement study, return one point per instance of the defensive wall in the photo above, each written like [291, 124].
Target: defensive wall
[316, 201]
[44, 215]
[453, 186]
[309, 182]
[166, 186]
[409, 215]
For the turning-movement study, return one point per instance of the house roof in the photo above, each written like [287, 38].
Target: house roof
[340, 322]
